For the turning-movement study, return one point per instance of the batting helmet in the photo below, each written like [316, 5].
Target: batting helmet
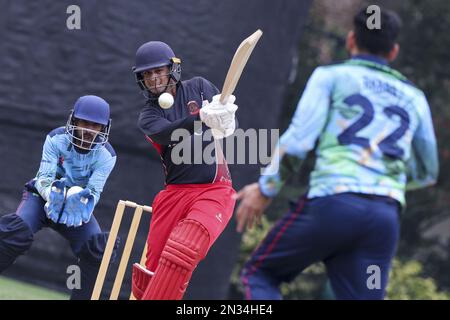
[155, 54]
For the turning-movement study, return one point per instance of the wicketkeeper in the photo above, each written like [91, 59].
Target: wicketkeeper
[77, 155]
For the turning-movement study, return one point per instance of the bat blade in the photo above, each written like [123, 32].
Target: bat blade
[237, 65]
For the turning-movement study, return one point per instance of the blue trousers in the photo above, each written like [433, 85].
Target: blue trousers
[354, 235]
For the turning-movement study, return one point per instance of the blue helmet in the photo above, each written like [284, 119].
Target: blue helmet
[155, 54]
[94, 109]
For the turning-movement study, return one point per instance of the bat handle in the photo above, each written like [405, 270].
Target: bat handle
[224, 98]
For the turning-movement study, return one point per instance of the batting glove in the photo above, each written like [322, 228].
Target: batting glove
[219, 117]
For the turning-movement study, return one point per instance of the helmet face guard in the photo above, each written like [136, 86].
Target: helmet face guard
[86, 139]
[174, 74]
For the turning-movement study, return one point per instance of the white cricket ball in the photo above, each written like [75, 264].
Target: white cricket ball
[165, 100]
[74, 190]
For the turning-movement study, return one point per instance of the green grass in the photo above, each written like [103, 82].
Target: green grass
[16, 290]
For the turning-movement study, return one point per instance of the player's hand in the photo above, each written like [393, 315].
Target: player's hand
[252, 206]
[55, 200]
[219, 117]
[78, 209]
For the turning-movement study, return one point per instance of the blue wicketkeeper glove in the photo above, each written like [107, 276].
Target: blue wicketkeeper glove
[56, 200]
[78, 209]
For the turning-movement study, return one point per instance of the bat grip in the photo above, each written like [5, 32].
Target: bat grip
[224, 98]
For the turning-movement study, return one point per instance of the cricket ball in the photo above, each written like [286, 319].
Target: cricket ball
[165, 100]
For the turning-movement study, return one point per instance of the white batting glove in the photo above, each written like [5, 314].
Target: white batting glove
[219, 117]
[225, 132]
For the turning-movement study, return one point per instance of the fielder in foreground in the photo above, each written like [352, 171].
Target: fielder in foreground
[77, 157]
[197, 202]
[375, 139]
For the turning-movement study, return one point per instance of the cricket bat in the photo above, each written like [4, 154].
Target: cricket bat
[237, 65]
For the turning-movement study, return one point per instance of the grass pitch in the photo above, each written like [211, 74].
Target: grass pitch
[16, 290]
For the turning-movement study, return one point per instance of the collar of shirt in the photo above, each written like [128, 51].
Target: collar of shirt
[372, 58]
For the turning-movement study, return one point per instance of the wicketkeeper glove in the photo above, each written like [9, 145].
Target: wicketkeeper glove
[78, 209]
[56, 200]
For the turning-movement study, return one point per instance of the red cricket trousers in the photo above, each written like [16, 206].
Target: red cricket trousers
[210, 204]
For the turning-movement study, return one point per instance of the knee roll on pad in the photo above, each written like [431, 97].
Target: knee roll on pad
[140, 279]
[186, 246]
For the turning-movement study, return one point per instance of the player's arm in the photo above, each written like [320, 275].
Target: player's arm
[47, 169]
[308, 122]
[100, 175]
[153, 124]
[293, 146]
[423, 165]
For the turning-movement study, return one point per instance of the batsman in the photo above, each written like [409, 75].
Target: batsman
[76, 162]
[197, 201]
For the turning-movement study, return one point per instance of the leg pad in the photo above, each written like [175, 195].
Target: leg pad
[185, 248]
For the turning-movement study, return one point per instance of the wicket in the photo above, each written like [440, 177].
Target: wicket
[121, 206]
